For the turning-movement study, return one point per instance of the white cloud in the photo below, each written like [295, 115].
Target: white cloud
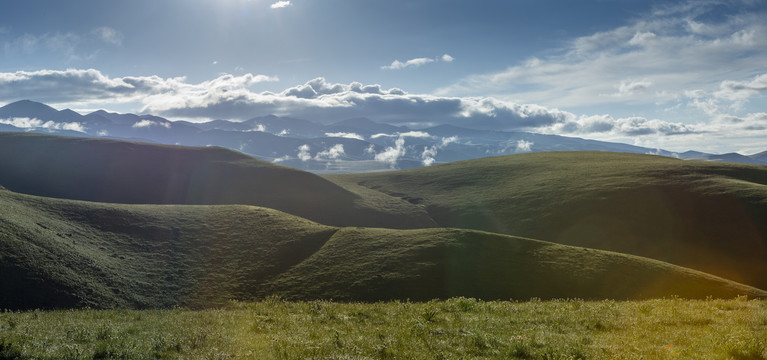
[741, 90]
[91, 86]
[149, 123]
[524, 146]
[283, 158]
[258, 127]
[430, 152]
[323, 101]
[32, 124]
[380, 135]
[303, 153]
[391, 154]
[280, 4]
[629, 87]
[631, 126]
[666, 50]
[335, 152]
[397, 65]
[415, 134]
[345, 135]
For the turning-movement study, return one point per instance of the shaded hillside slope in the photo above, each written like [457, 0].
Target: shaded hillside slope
[61, 253]
[138, 173]
[703, 215]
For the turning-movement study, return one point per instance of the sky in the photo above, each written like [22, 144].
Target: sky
[676, 75]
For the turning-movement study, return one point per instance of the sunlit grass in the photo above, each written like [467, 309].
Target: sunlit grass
[452, 329]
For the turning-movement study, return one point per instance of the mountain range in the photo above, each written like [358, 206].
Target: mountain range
[347, 146]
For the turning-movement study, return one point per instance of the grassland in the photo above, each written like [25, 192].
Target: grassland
[172, 226]
[57, 253]
[703, 215]
[126, 172]
[453, 329]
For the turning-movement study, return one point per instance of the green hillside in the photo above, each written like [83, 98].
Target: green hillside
[138, 173]
[58, 253]
[703, 215]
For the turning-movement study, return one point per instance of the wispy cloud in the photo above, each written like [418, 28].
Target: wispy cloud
[398, 65]
[281, 4]
[654, 59]
[62, 43]
[109, 35]
[149, 123]
[31, 124]
[345, 135]
[430, 152]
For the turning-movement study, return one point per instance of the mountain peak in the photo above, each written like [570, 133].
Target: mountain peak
[29, 109]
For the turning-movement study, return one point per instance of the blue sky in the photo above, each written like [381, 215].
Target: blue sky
[676, 75]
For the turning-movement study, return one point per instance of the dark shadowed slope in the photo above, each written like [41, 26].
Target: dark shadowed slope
[703, 215]
[58, 253]
[136, 173]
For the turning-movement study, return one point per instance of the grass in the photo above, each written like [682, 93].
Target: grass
[58, 253]
[139, 173]
[452, 329]
[647, 212]
[703, 215]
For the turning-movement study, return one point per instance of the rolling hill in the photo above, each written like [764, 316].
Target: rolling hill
[171, 225]
[138, 173]
[703, 215]
[57, 253]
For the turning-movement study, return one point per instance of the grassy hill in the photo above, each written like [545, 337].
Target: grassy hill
[703, 215]
[139, 173]
[57, 253]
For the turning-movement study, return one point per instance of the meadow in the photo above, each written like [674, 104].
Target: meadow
[451, 329]
[114, 249]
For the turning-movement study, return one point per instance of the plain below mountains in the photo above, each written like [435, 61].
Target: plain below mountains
[349, 145]
[173, 225]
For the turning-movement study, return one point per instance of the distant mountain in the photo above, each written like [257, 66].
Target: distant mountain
[351, 145]
[762, 156]
[282, 126]
[36, 110]
[364, 127]
[729, 157]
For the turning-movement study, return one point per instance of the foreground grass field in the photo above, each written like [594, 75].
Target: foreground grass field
[451, 329]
